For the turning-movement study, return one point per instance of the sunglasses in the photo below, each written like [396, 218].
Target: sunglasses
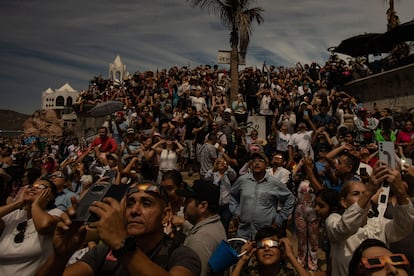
[39, 186]
[148, 187]
[258, 160]
[21, 227]
[267, 243]
[380, 261]
[57, 176]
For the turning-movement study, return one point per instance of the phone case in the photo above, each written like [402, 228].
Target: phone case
[96, 193]
[387, 153]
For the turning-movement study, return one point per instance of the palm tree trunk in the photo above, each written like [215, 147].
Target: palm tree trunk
[234, 73]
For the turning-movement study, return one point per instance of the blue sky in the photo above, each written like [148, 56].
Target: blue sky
[46, 43]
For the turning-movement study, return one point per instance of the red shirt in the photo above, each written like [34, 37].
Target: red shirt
[108, 144]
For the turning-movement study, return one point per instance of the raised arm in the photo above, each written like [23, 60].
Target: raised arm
[44, 222]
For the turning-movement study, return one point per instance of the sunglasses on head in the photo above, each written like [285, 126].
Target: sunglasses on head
[21, 227]
[148, 187]
[380, 261]
[268, 243]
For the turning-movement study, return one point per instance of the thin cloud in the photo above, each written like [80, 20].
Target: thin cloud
[45, 43]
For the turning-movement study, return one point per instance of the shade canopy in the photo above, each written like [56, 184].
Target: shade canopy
[401, 33]
[362, 45]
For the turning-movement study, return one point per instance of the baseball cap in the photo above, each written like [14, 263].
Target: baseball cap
[227, 110]
[258, 154]
[130, 131]
[202, 190]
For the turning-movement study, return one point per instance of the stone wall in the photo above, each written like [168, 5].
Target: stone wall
[87, 127]
[393, 89]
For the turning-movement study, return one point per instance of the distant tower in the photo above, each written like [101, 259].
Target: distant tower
[117, 70]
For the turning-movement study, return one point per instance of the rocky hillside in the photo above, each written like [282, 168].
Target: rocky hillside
[11, 120]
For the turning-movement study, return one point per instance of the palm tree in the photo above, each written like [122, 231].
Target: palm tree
[392, 18]
[238, 18]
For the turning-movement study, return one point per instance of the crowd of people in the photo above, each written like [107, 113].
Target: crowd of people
[197, 172]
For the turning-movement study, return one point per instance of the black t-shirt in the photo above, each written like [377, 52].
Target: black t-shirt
[190, 123]
[169, 255]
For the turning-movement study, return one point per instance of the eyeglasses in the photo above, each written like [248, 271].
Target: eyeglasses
[268, 243]
[380, 261]
[148, 187]
[21, 227]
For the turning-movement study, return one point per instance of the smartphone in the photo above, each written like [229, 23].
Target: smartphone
[97, 192]
[305, 113]
[386, 153]
[406, 162]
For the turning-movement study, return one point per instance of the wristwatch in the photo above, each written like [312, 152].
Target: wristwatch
[128, 245]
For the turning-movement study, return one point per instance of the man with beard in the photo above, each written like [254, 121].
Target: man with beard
[105, 143]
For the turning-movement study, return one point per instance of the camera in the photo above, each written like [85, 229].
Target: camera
[97, 192]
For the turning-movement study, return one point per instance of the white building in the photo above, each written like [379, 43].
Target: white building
[60, 98]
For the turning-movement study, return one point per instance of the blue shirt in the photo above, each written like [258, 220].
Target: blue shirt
[62, 200]
[255, 202]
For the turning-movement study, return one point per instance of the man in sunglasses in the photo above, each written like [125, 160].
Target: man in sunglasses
[133, 240]
[61, 180]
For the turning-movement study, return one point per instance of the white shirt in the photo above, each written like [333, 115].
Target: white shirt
[282, 141]
[199, 103]
[345, 232]
[23, 258]
[304, 142]
[168, 160]
[280, 174]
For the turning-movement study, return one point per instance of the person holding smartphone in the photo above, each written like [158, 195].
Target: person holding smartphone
[132, 235]
[348, 230]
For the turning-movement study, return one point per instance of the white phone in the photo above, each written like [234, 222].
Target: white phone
[386, 152]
